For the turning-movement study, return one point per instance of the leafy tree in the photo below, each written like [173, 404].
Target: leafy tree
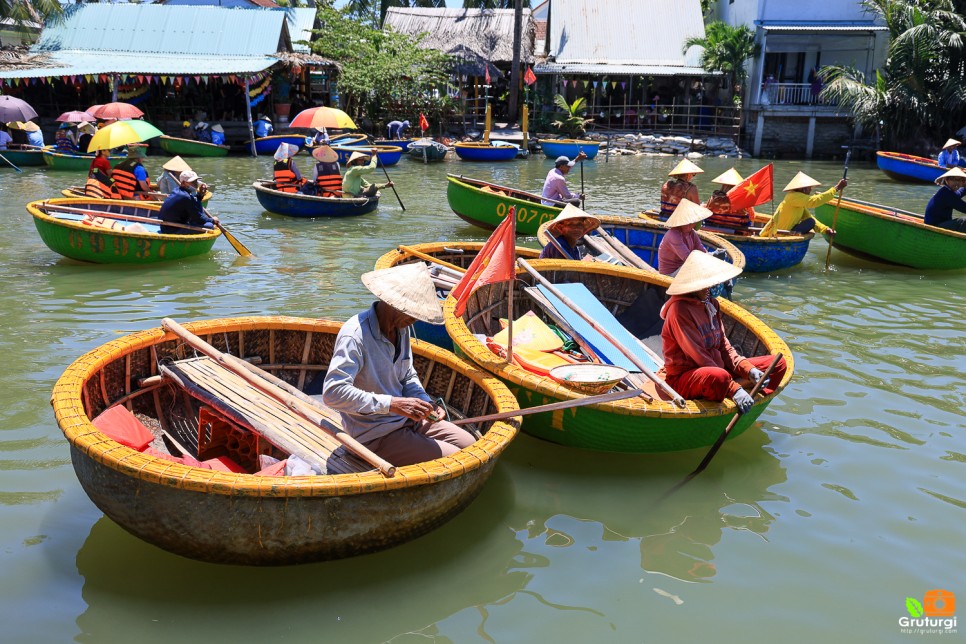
[23, 11]
[919, 96]
[725, 49]
[383, 70]
[572, 123]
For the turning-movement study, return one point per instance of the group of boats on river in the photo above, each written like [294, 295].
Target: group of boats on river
[177, 433]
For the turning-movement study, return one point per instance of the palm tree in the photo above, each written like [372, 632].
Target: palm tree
[920, 94]
[24, 11]
[725, 49]
[572, 124]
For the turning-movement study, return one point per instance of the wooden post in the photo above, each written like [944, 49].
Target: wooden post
[248, 115]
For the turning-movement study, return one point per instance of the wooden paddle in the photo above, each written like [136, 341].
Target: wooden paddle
[239, 247]
[116, 215]
[10, 163]
[376, 154]
[583, 196]
[835, 217]
[564, 404]
[724, 435]
[678, 400]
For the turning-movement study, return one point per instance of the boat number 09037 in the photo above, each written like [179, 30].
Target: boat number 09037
[524, 215]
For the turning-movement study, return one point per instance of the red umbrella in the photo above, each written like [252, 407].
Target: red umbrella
[116, 111]
[76, 117]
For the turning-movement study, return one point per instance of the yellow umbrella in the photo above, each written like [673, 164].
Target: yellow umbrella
[122, 133]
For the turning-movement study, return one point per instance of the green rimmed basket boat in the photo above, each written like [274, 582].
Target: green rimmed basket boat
[65, 232]
[632, 425]
[485, 204]
[239, 518]
[189, 148]
[32, 156]
[893, 236]
[73, 162]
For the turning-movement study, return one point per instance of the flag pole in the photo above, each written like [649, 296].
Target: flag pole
[509, 303]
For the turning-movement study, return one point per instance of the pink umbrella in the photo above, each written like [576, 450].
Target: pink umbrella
[76, 117]
[116, 111]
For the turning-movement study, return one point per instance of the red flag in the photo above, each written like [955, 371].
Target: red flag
[753, 191]
[529, 77]
[486, 73]
[495, 263]
[423, 123]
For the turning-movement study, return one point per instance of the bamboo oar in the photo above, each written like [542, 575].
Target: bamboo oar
[835, 217]
[583, 197]
[429, 258]
[302, 405]
[383, 166]
[10, 163]
[623, 251]
[564, 404]
[118, 215]
[727, 430]
[678, 400]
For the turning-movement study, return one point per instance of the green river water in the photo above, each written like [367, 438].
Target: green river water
[846, 498]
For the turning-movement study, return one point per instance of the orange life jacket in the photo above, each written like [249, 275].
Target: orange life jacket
[330, 183]
[124, 180]
[723, 217]
[99, 186]
[285, 179]
[719, 203]
[672, 192]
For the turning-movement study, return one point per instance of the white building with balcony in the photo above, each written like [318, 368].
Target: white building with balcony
[795, 39]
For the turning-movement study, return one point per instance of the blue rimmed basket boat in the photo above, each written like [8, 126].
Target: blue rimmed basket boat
[298, 205]
[402, 143]
[569, 148]
[907, 167]
[388, 154]
[477, 151]
[268, 145]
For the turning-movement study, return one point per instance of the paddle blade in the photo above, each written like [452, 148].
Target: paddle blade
[237, 245]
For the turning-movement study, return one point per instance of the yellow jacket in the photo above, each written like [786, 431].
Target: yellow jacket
[792, 210]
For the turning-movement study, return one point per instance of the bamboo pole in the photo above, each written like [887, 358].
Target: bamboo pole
[300, 403]
[429, 258]
[564, 404]
[118, 215]
[626, 253]
[678, 400]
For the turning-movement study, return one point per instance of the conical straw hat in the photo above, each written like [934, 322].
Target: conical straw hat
[218, 128]
[687, 212]
[685, 167]
[571, 211]
[953, 173]
[950, 143]
[325, 154]
[801, 180]
[356, 156]
[177, 165]
[729, 178]
[407, 288]
[701, 270]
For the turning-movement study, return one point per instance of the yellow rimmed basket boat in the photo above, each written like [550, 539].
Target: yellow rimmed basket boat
[631, 425]
[239, 518]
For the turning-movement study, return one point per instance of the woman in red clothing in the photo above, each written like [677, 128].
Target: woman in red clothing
[698, 359]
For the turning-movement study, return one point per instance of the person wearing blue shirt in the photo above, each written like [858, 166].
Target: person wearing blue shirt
[396, 129]
[203, 132]
[949, 157]
[949, 197]
[183, 206]
[34, 135]
[263, 127]
[217, 134]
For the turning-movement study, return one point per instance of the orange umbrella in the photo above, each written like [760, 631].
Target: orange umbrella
[115, 111]
[327, 117]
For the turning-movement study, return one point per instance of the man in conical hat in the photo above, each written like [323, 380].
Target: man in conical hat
[792, 213]
[949, 197]
[949, 156]
[565, 232]
[371, 381]
[722, 213]
[679, 242]
[354, 183]
[698, 358]
[679, 187]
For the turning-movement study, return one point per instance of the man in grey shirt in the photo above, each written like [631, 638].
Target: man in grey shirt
[371, 381]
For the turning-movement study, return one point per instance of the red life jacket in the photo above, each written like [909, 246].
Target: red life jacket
[672, 192]
[98, 186]
[285, 179]
[720, 205]
[124, 180]
[330, 183]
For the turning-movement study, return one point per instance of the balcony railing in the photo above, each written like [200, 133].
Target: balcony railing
[772, 93]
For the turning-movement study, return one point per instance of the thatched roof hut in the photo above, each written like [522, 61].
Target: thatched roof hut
[487, 32]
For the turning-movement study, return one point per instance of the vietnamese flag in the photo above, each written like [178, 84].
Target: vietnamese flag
[753, 191]
[529, 77]
[423, 123]
[486, 72]
[495, 263]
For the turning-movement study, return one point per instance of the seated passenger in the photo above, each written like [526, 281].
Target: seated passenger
[131, 179]
[949, 156]
[679, 242]
[263, 127]
[565, 232]
[722, 214]
[792, 213]
[170, 174]
[287, 175]
[354, 183]
[679, 187]
[217, 134]
[183, 206]
[949, 197]
[326, 175]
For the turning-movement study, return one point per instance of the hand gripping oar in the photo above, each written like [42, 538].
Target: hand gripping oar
[835, 217]
[637, 362]
[383, 166]
[724, 435]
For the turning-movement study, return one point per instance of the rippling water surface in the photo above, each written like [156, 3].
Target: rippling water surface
[846, 498]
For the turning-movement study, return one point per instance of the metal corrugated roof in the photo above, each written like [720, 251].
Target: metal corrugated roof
[823, 26]
[300, 23]
[617, 32]
[592, 69]
[82, 63]
[187, 30]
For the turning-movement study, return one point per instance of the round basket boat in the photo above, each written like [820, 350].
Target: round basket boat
[239, 518]
[635, 298]
[569, 148]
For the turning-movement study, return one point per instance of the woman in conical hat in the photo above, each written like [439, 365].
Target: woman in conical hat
[371, 381]
[170, 173]
[326, 175]
[287, 175]
[679, 242]
[949, 156]
[792, 213]
[565, 232]
[723, 216]
[948, 198]
[698, 358]
[679, 187]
